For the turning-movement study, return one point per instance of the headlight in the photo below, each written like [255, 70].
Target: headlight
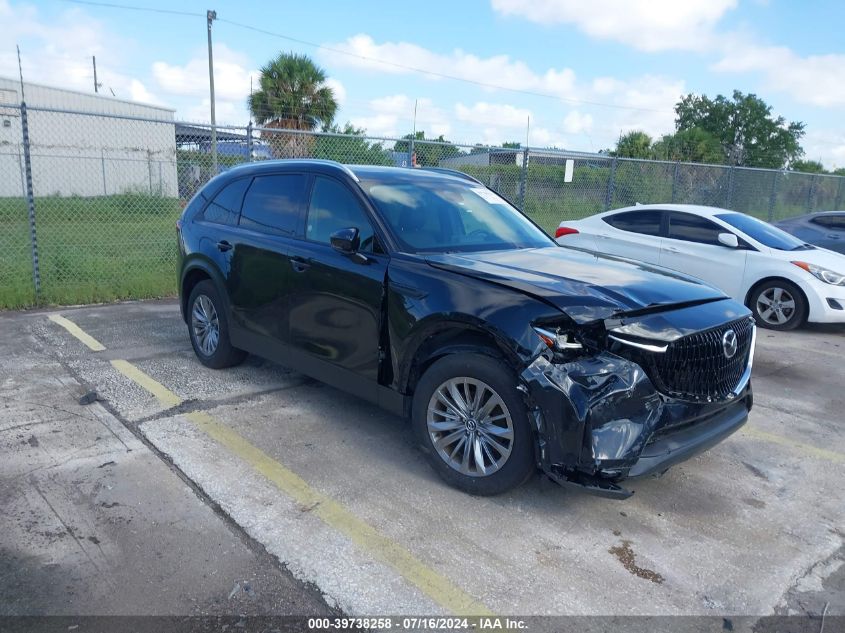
[824, 274]
[557, 341]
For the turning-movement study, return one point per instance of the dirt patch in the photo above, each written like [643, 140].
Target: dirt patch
[628, 559]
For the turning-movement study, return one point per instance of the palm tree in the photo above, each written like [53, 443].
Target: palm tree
[293, 95]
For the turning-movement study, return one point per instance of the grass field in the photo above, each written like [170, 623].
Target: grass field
[90, 249]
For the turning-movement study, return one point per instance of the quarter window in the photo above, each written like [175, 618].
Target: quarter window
[692, 228]
[334, 207]
[644, 222]
[833, 222]
[273, 204]
[226, 206]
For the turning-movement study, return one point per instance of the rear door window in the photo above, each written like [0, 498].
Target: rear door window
[273, 204]
[643, 222]
[693, 228]
[226, 206]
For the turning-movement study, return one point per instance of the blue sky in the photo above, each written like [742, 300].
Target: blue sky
[600, 68]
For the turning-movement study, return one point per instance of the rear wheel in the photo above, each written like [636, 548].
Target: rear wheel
[778, 305]
[471, 421]
[209, 328]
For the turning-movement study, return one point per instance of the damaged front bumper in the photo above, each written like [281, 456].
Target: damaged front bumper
[600, 420]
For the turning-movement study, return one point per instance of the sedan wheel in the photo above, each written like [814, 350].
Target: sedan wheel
[778, 305]
[470, 426]
[209, 328]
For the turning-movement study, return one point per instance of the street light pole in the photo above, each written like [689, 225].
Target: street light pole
[211, 16]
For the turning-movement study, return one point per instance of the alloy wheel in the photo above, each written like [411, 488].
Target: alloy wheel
[470, 426]
[776, 306]
[205, 325]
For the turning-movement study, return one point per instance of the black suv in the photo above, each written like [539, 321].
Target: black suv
[429, 294]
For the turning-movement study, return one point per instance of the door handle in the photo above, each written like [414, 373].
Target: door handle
[299, 264]
[671, 249]
[832, 236]
[224, 246]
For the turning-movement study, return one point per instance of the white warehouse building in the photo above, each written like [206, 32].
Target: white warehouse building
[115, 147]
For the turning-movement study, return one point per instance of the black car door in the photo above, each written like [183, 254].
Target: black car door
[262, 273]
[335, 308]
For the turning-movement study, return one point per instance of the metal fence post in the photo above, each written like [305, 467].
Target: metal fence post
[611, 184]
[811, 193]
[30, 199]
[675, 180]
[838, 204]
[103, 166]
[411, 152]
[249, 142]
[523, 180]
[730, 194]
[773, 196]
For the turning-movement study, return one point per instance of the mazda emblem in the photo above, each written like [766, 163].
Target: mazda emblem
[729, 344]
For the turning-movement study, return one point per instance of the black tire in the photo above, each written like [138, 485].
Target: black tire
[223, 354]
[790, 294]
[485, 372]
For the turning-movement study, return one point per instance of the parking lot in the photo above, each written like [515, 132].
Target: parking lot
[333, 491]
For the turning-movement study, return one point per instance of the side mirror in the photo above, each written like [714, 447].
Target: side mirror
[345, 241]
[728, 239]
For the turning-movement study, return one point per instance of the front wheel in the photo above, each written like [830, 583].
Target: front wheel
[778, 305]
[209, 328]
[472, 422]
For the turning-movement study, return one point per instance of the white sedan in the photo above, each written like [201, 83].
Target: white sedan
[783, 280]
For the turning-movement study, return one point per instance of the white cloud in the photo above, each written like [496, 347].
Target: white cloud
[576, 122]
[493, 114]
[57, 52]
[362, 52]
[393, 116]
[338, 89]
[649, 25]
[231, 75]
[817, 80]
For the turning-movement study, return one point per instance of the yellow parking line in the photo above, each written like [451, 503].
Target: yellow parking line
[77, 331]
[162, 393]
[435, 586]
[808, 449]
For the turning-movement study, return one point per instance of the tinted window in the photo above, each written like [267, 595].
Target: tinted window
[226, 206]
[833, 222]
[273, 203]
[333, 207]
[692, 228]
[645, 222]
[764, 232]
[443, 214]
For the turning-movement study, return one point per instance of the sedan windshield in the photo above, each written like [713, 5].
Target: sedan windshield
[441, 215]
[764, 232]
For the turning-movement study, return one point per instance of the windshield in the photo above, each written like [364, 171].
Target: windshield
[441, 215]
[764, 232]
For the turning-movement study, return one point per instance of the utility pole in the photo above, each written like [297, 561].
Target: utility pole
[211, 16]
[96, 85]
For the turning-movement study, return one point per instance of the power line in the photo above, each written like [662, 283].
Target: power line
[423, 71]
[432, 73]
[111, 5]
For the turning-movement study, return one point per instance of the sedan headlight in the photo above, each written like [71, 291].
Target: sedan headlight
[824, 274]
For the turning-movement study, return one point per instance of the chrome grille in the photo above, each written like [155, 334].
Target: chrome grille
[695, 366]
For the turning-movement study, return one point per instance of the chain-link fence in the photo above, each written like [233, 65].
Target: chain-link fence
[89, 201]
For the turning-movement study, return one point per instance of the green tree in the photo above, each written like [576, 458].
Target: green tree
[839, 172]
[292, 95]
[693, 145]
[634, 144]
[808, 166]
[746, 129]
[429, 154]
[353, 147]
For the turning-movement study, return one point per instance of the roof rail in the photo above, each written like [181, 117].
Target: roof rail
[456, 173]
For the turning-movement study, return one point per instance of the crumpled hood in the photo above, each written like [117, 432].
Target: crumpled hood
[585, 286]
